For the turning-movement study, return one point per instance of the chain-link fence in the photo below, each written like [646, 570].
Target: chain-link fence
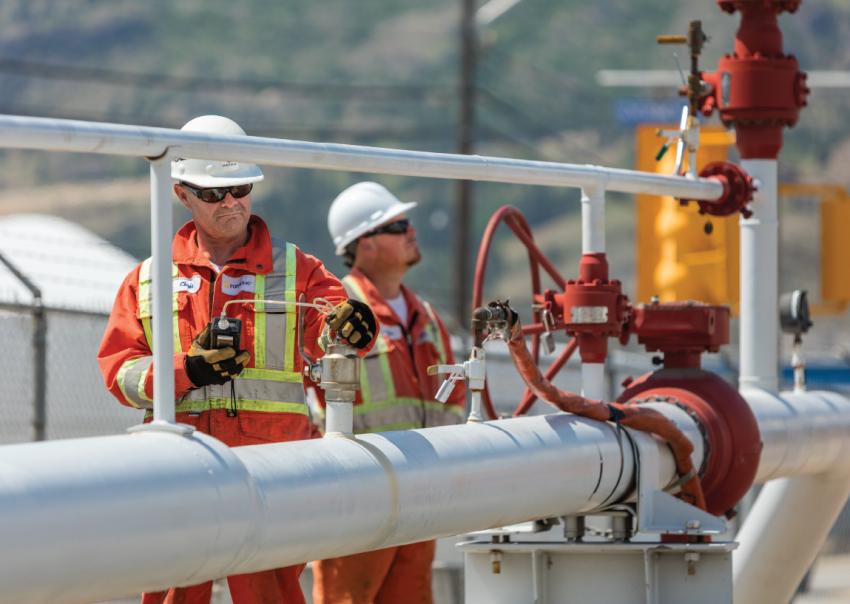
[77, 403]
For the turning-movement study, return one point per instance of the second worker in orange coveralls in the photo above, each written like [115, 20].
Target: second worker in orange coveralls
[246, 395]
[370, 230]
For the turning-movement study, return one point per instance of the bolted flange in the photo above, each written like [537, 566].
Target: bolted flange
[738, 190]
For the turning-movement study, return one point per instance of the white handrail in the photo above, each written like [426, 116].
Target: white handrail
[116, 139]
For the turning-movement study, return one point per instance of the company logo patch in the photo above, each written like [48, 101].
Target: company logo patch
[186, 284]
[233, 285]
[393, 332]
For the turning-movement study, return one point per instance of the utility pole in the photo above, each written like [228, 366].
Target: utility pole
[465, 145]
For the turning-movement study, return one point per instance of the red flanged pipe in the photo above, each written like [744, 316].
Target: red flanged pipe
[730, 431]
[758, 88]
[737, 190]
[594, 308]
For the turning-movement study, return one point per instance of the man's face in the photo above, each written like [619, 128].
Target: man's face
[395, 250]
[223, 220]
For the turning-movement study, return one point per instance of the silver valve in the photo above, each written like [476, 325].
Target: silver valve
[447, 387]
[473, 371]
[549, 327]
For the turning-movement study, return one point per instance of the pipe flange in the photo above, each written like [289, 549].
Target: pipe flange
[738, 190]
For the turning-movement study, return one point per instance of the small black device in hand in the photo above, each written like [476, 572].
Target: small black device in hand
[225, 332]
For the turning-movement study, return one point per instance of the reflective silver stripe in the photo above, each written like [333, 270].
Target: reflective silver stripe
[275, 332]
[268, 390]
[373, 420]
[131, 380]
[374, 375]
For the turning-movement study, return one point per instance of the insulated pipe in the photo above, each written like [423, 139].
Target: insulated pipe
[759, 281]
[115, 139]
[806, 458]
[161, 285]
[801, 432]
[783, 534]
[101, 518]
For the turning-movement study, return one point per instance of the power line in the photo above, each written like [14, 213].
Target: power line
[112, 77]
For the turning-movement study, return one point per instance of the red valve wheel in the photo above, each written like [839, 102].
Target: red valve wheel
[514, 219]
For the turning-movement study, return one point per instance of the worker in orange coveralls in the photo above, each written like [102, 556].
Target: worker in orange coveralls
[370, 230]
[245, 395]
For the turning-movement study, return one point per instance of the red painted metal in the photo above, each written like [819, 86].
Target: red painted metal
[737, 190]
[758, 88]
[730, 430]
[681, 330]
[593, 308]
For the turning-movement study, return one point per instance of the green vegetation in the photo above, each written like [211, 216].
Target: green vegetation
[383, 73]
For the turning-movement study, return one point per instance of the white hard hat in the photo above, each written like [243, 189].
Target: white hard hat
[205, 173]
[360, 209]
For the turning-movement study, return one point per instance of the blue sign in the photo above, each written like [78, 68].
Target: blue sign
[634, 111]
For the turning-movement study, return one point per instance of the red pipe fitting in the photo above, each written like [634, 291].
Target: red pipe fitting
[729, 428]
[738, 190]
[594, 308]
[758, 88]
[682, 331]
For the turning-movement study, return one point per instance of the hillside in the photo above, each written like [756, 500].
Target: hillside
[381, 73]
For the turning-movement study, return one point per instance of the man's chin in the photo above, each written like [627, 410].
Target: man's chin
[415, 259]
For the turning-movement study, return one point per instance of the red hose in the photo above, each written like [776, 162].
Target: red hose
[632, 416]
[529, 398]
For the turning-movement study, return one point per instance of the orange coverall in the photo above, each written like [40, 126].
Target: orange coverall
[396, 394]
[200, 293]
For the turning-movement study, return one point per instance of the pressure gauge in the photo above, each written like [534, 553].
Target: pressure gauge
[794, 312]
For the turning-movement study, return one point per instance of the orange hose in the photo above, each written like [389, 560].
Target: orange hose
[632, 416]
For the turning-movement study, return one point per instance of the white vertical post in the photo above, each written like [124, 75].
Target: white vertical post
[593, 220]
[163, 347]
[593, 381]
[593, 242]
[759, 281]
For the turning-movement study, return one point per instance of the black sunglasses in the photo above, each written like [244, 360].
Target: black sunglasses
[216, 194]
[399, 227]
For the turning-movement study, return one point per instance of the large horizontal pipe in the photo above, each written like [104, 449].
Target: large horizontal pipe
[92, 519]
[803, 433]
[116, 139]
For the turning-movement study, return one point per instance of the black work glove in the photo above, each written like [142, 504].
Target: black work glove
[207, 366]
[353, 321]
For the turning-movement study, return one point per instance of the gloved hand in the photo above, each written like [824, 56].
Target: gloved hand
[207, 366]
[354, 321]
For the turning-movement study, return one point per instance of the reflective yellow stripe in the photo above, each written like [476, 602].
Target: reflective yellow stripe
[260, 321]
[131, 381]
[146, 325]
[146, 306]
[241, 405]
[291, 314]
[274, 375]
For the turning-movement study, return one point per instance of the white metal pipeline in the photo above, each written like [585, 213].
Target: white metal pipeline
[759, 304]
[98, 518]
[806, 458]
[116, 139]
[783, 534]
[802, 432]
